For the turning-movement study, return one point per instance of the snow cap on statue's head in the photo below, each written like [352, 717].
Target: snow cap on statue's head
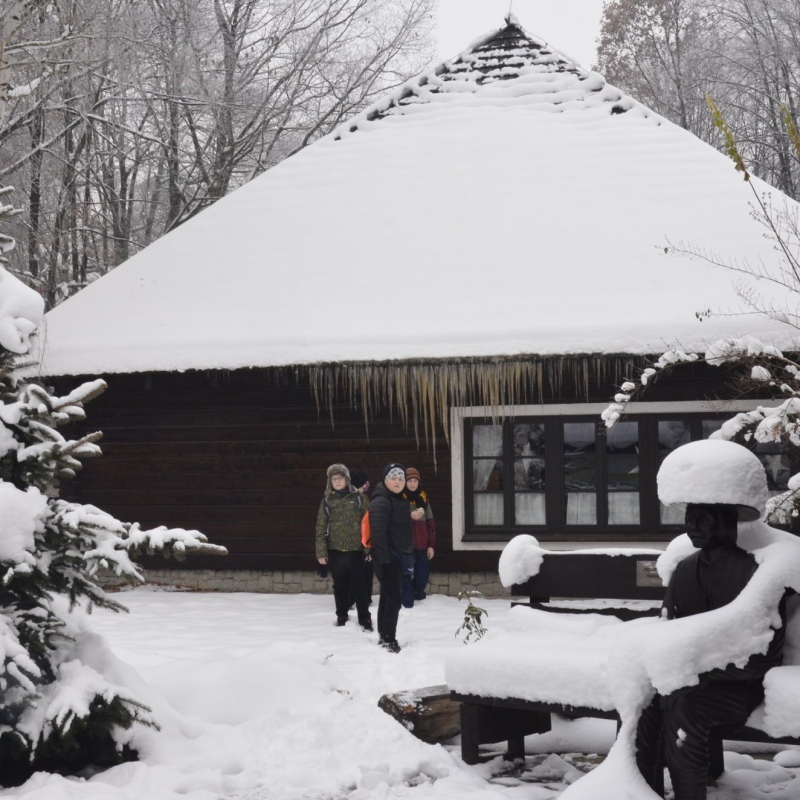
[714, 471]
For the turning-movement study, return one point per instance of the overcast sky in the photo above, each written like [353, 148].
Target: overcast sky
[570, 26]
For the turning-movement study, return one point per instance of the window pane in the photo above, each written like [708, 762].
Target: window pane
[529, 509]
[622, 448]
[671, 435]
[776, 465]
[528, 474]
[487, 475]
[529, 457]
[580, 457]
[580, 473]
[488, 509]
[487, 452]
[623, 508]
[581, 508]
[487, 441]
[673, 515]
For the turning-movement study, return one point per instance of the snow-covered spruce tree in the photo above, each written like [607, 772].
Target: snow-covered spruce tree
[58, 712]
[756, 368]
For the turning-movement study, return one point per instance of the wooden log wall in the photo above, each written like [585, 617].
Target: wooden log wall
[241, 456]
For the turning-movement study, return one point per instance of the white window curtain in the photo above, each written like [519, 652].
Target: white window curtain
[487, 443]
[581, 508]
[488, 509]
[529, 509]
[487, 447]
[623, 508]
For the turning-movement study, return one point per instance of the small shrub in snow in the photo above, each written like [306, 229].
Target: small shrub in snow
[473, 616]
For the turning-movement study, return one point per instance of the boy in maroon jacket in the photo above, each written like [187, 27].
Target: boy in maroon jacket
[424, 528]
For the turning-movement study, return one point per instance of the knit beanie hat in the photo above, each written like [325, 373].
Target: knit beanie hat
[338, 469]
[359, 478]
[412, 472]
[389, 468]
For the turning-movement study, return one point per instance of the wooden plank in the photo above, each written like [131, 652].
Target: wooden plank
[310, 481]
[742, 733]
[326, 449]
[589, 575]
[428, 713]
[620, 612]
[571, 712]
[265, 561]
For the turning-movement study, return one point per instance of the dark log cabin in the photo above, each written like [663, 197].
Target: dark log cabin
[458, 278]
[241, 456]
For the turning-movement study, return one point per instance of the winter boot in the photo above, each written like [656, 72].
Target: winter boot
[391, 646]
[341, 621]
[366, 624]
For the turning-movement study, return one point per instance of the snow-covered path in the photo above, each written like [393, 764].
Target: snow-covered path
[260, 697]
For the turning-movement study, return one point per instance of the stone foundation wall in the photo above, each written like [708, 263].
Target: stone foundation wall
[287, 582]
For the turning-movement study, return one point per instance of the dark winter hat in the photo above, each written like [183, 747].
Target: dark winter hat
[338, 469]
[389, 468]
[413, 472]
[359, 478]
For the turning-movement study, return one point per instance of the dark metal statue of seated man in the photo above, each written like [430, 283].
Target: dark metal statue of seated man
[675, 728]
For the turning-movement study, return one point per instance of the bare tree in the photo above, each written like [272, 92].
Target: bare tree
[657, 51]
[255, 82]
[746, 53]
[135, 116]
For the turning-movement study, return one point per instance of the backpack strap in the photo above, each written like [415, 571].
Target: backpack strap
[327, 506]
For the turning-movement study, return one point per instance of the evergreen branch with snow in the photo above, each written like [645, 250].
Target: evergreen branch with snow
[56, 711]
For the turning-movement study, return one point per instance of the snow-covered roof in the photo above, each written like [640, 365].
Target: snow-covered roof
[508, 202]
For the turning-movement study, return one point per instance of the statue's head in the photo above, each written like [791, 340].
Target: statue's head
[712, 525]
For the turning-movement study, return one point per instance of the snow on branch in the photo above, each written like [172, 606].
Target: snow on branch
[174, 541]
[761, 366]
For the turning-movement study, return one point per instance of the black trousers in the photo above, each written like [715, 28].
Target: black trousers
[391, 579]
[347, 571]
[675, 730]
[369, 574]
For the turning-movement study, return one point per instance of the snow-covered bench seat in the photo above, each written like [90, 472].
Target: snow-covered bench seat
[544, 663]
[590, 664]
[510, 682]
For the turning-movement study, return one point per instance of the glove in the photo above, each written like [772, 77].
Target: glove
[322, 571]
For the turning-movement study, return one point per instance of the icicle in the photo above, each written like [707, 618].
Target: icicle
[421, 394]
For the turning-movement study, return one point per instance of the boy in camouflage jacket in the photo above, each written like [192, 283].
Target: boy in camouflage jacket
[338, 544]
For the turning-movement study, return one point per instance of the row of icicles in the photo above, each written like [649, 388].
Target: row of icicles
[422, 394]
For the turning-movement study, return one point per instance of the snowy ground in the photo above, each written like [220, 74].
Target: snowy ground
[259, 696]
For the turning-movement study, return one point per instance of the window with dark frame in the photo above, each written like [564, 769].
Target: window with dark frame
[570, 478]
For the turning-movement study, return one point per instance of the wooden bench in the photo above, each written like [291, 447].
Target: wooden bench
[595, 576]
[486, 720]
[588, 577]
